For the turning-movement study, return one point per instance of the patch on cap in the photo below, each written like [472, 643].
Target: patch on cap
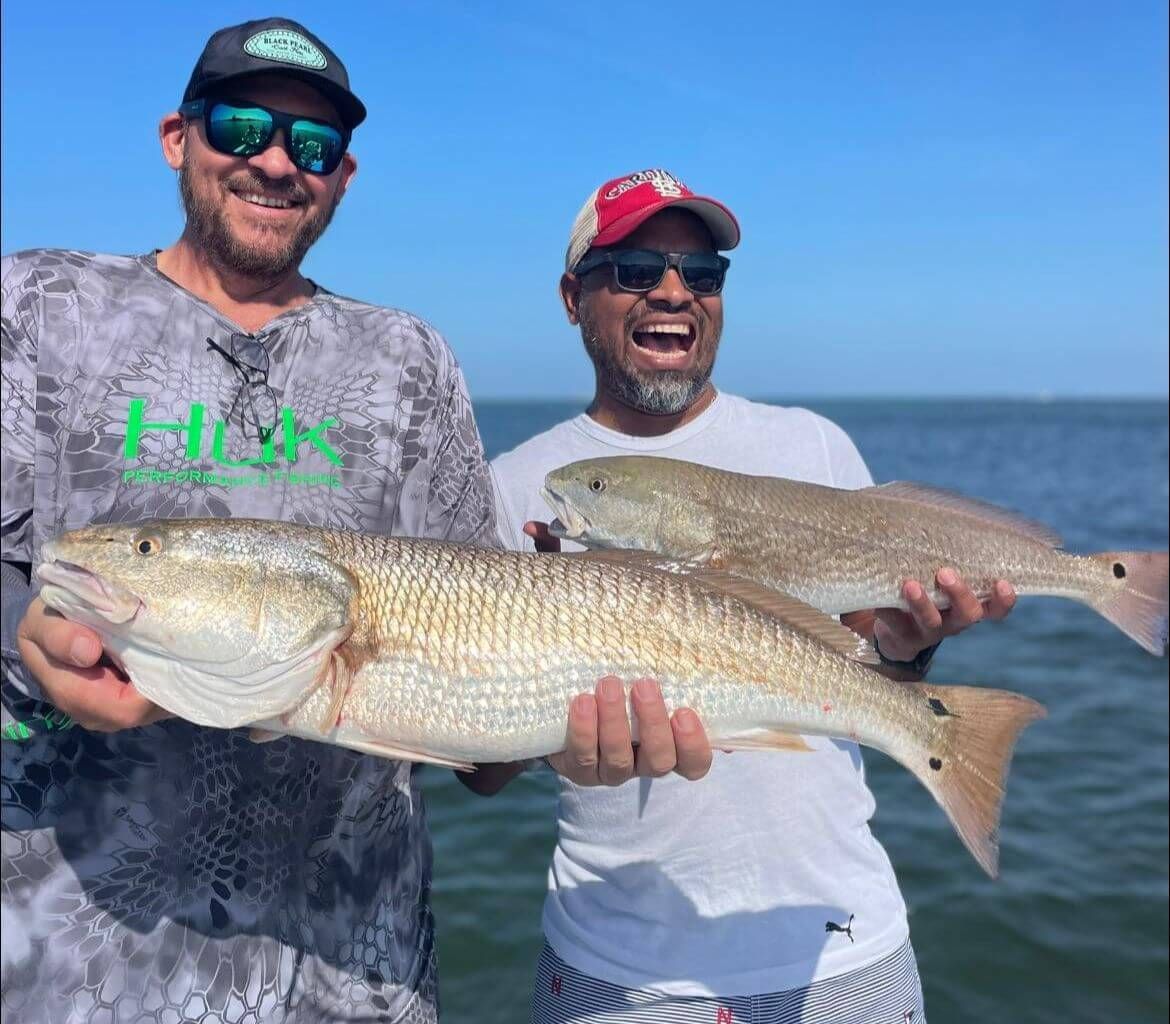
[286, 46]
[663, 182]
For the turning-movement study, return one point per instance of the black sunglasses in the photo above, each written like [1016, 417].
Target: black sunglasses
[245, 129]
[642, 270]
[255, 399]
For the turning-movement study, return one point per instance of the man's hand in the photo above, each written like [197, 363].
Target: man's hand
[599, 751]
[64, 659]
[901, 635]
[543, 540]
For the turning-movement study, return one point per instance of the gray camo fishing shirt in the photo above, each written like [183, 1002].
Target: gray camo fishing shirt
[177, 873]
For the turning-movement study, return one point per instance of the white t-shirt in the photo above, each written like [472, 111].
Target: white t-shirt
[722, 886]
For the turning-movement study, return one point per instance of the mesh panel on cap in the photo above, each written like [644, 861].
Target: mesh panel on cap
[583, 232]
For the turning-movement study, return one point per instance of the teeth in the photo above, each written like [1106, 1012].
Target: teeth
[665, 329]
[257, 200]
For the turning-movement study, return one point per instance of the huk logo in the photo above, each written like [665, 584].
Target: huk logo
[286, 46]
[723, 1015]
[197, 430]
[555, 987]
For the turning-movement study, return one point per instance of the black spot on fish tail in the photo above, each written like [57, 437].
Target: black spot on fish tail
[936, 763]
[940, 709]
[1119, 570]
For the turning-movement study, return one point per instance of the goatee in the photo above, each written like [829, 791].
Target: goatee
[659, 393]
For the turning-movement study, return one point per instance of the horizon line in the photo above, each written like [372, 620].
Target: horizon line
[1041, 398]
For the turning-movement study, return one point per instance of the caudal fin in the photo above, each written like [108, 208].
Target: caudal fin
[968, 769]
[1139, 608]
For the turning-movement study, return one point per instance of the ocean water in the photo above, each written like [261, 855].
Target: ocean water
[1075, 929]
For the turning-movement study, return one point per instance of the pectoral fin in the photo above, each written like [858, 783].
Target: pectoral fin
[339, 671]
[764, 739]
[380, 749]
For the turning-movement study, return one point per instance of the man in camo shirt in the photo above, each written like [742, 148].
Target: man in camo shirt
[154, 869]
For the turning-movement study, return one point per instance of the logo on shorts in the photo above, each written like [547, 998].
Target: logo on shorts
[286, 46]
[845, 929]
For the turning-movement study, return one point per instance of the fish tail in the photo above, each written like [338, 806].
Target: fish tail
[967, 768]
[1139, 609]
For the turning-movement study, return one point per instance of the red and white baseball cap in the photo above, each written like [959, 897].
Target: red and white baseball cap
[619, 206]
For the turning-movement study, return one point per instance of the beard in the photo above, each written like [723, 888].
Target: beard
[658, 393]
[273, 255]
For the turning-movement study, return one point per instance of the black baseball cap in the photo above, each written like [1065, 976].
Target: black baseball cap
[274, 46]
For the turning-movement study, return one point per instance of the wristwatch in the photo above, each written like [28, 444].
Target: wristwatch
[919, 664]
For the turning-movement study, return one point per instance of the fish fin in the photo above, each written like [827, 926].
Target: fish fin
[338, 672]
[966, 766]
[763, 739]
[773, 603]
[960, 504]
[1139, 609]
[792, 612]
[257, 735]
[380, 749]
[632, 559]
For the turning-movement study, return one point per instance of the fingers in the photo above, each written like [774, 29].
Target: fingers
[97, 697]
[903, 635]
[656, 749]
[543, 540]
[1001, 601]
[599, 750]
[613, 734]
[63, 658]
[922, 609]
[64, 641]
[966, 609]
[693, 750]
[578, 761]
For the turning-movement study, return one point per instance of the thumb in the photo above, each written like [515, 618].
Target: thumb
[67, 642]
[543, 540]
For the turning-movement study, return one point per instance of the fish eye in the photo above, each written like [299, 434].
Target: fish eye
[597, 485]
[147, 545]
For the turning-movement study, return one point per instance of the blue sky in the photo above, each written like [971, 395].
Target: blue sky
[936, 198]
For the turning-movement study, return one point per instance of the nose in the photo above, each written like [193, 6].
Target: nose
[671, 290]
[274, 162]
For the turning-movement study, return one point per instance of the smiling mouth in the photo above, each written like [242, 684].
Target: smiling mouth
[665, 338]
[267, 202]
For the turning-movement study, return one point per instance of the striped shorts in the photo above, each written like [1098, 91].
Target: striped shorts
[886, 992]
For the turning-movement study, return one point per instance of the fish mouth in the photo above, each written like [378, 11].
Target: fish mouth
[78, 593]
[569, 523]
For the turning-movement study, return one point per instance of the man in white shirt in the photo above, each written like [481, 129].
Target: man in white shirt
[759, 893]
